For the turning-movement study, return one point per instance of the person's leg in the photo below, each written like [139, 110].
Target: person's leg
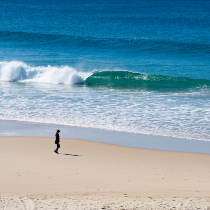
[56, 150]
[58, 146]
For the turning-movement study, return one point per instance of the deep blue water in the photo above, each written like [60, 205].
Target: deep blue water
[64, 42]
[158, 36]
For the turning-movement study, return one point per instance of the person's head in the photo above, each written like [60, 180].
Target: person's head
[58, 131]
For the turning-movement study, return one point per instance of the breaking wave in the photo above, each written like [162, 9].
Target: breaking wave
[16, 71]
[126, 79]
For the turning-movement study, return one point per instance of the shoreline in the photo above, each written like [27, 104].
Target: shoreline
[145, 141]
[96, 174]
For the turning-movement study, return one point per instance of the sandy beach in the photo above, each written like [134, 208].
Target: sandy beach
[89, 175]
[125, 85]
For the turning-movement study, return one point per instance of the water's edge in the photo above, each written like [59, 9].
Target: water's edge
[21, 128]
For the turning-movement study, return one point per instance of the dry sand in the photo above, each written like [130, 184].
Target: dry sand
[89, 175]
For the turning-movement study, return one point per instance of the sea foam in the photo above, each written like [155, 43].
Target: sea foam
[14, 71]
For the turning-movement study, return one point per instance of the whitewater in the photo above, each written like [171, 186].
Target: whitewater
[19, 71]
[101, 99]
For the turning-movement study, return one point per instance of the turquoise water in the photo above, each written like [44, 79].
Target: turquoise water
[134, 66]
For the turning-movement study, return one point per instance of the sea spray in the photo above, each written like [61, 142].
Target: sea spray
[14, 71]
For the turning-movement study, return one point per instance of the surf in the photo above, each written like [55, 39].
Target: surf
[127, 79]
[17, 71]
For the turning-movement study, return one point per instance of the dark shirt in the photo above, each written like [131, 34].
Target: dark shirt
[57, 138]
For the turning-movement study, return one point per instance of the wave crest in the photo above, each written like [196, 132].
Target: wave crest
[126, 79]
[14, 71]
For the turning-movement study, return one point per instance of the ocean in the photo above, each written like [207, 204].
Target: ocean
[141, 67]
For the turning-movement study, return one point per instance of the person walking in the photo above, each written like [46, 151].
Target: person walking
[57, 141]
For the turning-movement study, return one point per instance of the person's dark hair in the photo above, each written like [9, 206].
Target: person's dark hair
[58, 131]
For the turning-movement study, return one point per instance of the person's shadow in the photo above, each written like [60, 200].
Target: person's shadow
[74, 155]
